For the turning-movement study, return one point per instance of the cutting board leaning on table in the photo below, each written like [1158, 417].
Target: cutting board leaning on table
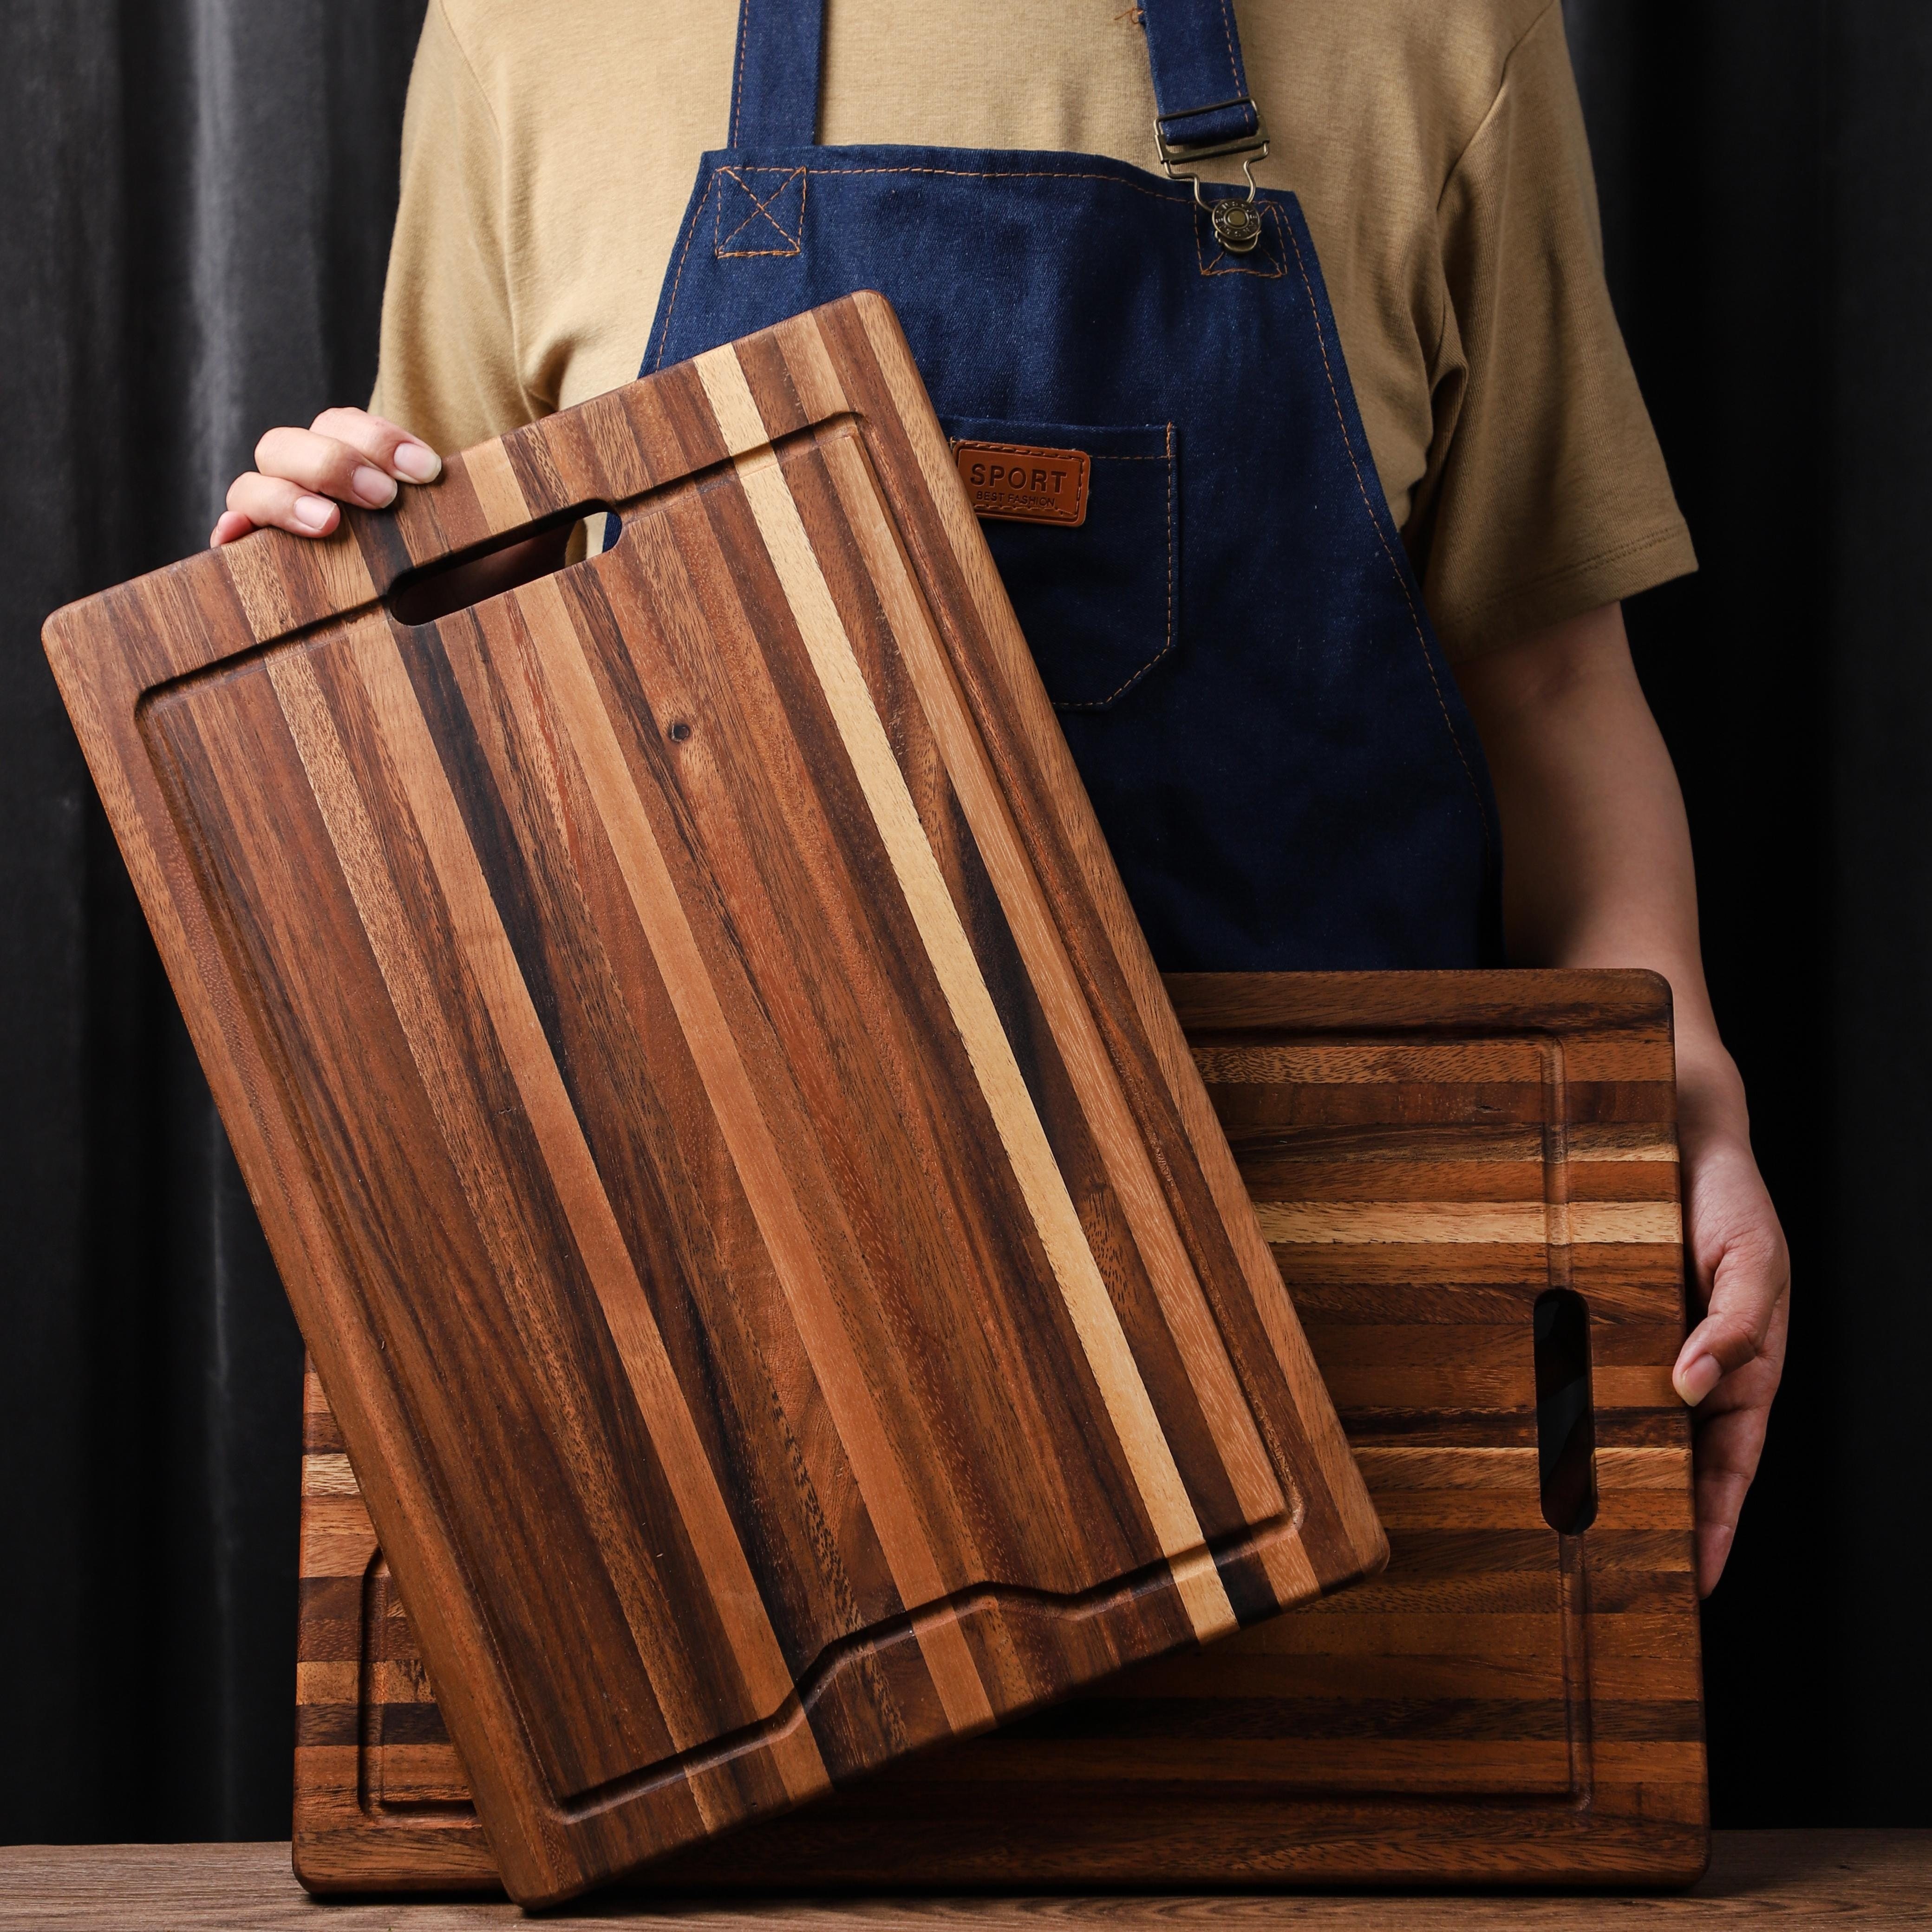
[771, 1257]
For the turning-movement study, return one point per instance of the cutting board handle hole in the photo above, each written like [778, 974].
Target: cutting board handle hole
[1566, 1427]
[486, 570]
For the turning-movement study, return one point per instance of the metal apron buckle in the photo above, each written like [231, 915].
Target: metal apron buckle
[1237, 224]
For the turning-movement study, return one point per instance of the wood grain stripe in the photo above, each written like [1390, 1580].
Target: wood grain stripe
[1644, 1387]
[1558, 1223]
[863, 733]
[747, 1135]
[492, 961]
[1499, 1062]
[447, 1081]
[260, 588]
[488, 955]
[1122, 1149]
[498, 493]
[1652, 1144]
[328, 1476]
[1039, 730]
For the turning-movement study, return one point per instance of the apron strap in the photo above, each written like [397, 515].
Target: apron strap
[775, 83]
[1200, 87]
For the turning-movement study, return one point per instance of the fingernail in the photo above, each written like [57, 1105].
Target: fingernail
[418, 462]
[372, 487]
[1695, 1379]
[313, 513]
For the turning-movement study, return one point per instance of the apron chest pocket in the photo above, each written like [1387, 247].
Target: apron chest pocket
[1098, 600]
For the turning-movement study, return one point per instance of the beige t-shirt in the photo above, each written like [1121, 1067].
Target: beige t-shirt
[1437, 146]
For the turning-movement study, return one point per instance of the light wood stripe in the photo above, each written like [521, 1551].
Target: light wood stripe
[328, 1683]
[1647, 1387]
[863, 734]
[328, 1476]
[1648, 1762]
[1124, 1151]
[1466, 1391]
[748, 1136]
[1620, 1143]
[498, 492]
[1555, 1223]
[492, 961]
[1611, 1058]
[1039, 731]
[739, 420]
[393, 1682]
[260, 589]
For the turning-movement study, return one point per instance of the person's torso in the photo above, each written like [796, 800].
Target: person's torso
[603, 113]
[1147, 393]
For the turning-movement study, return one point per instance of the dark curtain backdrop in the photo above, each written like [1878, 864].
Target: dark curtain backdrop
[195, 197]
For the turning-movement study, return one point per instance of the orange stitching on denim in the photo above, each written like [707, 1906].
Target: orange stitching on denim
[1101, 703]
[1010, 174]
[963, 174]
[1402, 583]
[738, 78]
[1233, 65]
[721, 241]
[1235, 268]
[1233, 68]
[690, 235]
[762, 204]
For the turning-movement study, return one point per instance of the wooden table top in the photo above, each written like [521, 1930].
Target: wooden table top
[1797, 1878]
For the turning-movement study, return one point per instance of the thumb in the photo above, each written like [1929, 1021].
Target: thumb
[1745, 1286]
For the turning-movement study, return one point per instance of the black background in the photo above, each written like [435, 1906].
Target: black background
[195, 197]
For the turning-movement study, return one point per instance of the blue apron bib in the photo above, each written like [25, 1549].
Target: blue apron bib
[1234, 638]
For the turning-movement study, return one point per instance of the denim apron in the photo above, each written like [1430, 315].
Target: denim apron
[1234, 638]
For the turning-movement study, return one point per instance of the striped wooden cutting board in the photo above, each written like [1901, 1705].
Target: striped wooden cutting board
[1434, 1155]
[717, 1121]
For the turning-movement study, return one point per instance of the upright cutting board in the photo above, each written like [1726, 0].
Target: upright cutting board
[736, 1167]
[1435, 1156]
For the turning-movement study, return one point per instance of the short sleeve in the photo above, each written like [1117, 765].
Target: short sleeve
[448, 370]
[1551, 497]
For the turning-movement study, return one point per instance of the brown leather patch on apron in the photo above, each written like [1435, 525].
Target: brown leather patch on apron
[1024, 485]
